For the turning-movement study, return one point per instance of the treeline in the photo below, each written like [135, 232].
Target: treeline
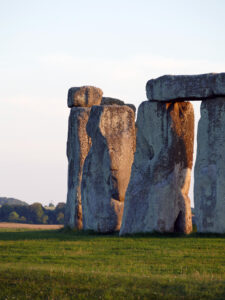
[32, 214]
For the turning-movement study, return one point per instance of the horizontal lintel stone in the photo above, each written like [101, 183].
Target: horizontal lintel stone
[84, 96]
[186, 87]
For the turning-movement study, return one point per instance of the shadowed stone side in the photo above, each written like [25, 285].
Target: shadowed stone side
[113, 101]
[107, 167]
[78, 145]
[157, 195]
[186, 87]
[209, 187]
[84, 96]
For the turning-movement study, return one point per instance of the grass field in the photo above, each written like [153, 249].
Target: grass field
[60, 264]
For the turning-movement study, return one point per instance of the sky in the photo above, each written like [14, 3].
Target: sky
[48, 46]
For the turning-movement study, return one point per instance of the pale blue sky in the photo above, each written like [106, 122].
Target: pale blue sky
[48, 46]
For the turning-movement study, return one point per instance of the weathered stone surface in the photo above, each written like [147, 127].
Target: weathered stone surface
[157, 194]
[78, 145]
[84, 96]
[107, 167]
[186, 87]
[209, 184]
[113, 101]
[132, 106]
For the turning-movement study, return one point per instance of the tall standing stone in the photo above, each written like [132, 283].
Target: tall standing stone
[157, 195]
[107, 168]
[209, 187]
[78, 145]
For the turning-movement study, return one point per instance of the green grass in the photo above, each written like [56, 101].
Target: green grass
[71, 265]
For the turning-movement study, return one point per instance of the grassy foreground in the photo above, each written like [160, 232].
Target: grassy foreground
[59, 264]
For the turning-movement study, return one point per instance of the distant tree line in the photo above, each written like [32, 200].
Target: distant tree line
[32, 214]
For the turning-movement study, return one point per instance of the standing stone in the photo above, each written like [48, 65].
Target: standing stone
[186, 87]
[84, 96]
[157, 195]
[107, 167]
[209, 187]
[78, 145]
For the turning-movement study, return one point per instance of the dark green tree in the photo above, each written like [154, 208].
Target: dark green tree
[36, 213]
[60, 218]
[45, 219]
[5, 210]
[23, 219]
[13, 217]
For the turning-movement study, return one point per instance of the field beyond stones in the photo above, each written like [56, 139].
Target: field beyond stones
[61, 264]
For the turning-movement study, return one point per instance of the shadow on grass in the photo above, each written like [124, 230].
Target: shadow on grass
[175, 235]
[63, 234]
[45, 285]
[66, 234]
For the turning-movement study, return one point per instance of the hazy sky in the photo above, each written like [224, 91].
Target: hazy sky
[48, 46]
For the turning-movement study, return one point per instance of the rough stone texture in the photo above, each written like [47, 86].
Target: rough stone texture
[107, 167]
[78, 145]
[209, 187]
[132, 106]
[113, 101]
[85, 96]
[186, 87]
[157, 194]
